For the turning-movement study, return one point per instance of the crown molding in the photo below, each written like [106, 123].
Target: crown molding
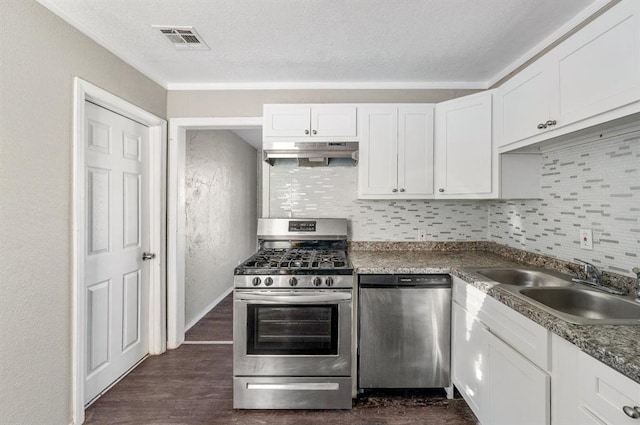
[453, 85]
[551, 39]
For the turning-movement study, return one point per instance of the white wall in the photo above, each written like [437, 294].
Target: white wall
[221, 213]
[596, 186]
[40, 54]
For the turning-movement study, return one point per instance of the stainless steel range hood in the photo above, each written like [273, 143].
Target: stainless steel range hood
[309, 153]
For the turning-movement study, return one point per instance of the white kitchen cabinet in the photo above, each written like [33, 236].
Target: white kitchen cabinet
[469, 360]
[606, 393]
[518, 392]
[523, 103]
[310, 122]
[590, 78]
[598, 68]
[463, 147]
[396, 151]
[498, 379]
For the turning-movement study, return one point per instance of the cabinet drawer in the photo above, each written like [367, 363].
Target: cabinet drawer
[521, 333]
[604, 391]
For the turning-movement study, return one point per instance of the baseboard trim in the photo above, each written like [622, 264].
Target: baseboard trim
[207, 309]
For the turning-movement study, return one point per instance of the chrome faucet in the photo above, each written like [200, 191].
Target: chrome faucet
[636, 270]
[593, 273]
[594, 276]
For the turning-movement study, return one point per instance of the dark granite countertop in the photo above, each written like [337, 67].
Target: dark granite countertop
[617, 346]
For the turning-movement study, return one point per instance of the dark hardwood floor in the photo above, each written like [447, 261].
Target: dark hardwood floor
[217, 325]
[193, 385]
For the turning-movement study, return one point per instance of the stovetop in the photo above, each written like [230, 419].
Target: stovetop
[298, 261]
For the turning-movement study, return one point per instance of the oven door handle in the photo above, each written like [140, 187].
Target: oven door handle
[294, 299]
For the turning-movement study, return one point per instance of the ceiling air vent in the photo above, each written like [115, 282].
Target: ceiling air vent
[183, 38]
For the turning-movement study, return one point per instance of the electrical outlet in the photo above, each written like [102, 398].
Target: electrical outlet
[586, 239]
[422, 234]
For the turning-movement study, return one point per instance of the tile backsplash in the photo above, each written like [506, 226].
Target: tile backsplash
[595, 186]
[332, 191]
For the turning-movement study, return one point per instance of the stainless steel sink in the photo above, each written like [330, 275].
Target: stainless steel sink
[582, 306]
[523, 277]
[556, 294]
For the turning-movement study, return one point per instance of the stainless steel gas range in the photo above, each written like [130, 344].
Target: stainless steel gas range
[292, 318]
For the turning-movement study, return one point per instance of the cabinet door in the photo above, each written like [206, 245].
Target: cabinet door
[286, 121]
[470, 360]
[464, 146]
[605, 392]
[524, 102]
[415, 150]
[333, 121]
[519, 392]
[378, 164]
[599, 66]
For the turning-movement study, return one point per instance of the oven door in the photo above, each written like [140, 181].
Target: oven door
[292, 333]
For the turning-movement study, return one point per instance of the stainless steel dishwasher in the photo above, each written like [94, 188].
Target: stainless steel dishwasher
[404, 331]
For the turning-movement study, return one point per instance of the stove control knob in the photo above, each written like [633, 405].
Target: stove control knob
[256, 281]
[329, 281]
[268, 281]
[317, 281]
[293, 281]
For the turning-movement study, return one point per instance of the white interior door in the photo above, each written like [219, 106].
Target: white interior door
[116, 278]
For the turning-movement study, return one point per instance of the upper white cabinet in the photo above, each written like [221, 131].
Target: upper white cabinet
[524, 103]
[310, 122]
[590, 78]
[396, 151]
[598, 68]
[463, 147]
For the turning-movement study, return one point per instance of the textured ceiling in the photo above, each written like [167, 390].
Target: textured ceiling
[456, 42]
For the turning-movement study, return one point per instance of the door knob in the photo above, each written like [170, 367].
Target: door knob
[148, 256]
[394, 190]
[541, 126]
[306, 132]
[315, 132]
[440, 190]
[401, 190]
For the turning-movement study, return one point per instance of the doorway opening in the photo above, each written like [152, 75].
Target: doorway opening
[180, 129]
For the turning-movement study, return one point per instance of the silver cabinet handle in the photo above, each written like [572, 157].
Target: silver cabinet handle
[549, 123]
[394, 190]
[306, 132]
[148, 256]
[441, 190]
[632, 412]
[315, 132]
[401, 190]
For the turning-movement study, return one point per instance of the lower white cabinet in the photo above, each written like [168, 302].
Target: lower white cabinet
[518, 392]
[500, 384]
[606, 394]
[469, 362]
[507, 380]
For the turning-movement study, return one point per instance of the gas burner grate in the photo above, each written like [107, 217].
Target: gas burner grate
[292, 259]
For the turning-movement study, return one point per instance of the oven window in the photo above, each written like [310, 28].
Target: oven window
[286, 329]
